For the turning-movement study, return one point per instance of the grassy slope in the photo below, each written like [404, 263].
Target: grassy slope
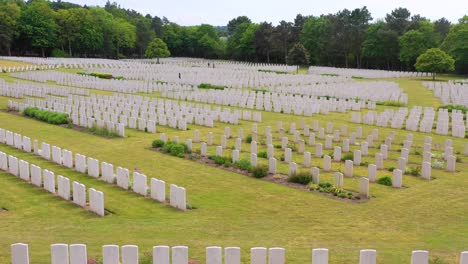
[233, 210]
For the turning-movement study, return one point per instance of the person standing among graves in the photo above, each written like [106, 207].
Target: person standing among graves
[179, 76]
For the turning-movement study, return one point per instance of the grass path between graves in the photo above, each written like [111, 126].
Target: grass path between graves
[8, 63]
[232, 209]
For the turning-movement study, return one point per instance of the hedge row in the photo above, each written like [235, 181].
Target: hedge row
[47, 116]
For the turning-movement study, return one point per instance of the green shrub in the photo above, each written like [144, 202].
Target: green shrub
[243, 164]
[292, 147]
[175, 149]
[220, 160]
[391, 103]
[260, 171]
[347, 156]
[248, 139]
[301, 178]
[391, 169]
[330, 74]
[414, 171]
[325, 185]
[450, 108]
[58, 53]
[341, 195]
[263, 155]
[103, 132]
[277, 146]
[210, 86]
[271, 71]
[47, 116]
[386, 180]
[158, 143]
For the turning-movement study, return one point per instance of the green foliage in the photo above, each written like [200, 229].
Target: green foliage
[157, 49]
[37, 25]
[210, 86]
[435, 61]
[271, 71]
[391, 103]
[220, 160]
[243, 164]
[347, 156]
[58, 53]
[175, 149]
[301, 178]
[455, 45]
[248, 139]
[415, 42]
[298, 55]
[413, 171]
[260, 171]
[262, 154]
[47, 116]
[450, 108]
[158, 143]
[386, 180]
[103, 132]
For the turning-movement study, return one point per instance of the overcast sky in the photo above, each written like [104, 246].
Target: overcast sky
[219, 12]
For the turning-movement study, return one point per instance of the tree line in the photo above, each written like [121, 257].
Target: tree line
[348, 38]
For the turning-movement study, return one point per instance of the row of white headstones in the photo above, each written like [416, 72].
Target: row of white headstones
[46, 179]
[22, 89]
[128, 254]
[90, 166]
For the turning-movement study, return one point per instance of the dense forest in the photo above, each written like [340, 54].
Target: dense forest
[349, 38]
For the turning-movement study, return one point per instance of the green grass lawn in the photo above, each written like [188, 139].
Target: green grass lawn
[232, 209]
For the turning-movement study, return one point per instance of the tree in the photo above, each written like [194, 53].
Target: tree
[123, 34]
[263, 40]
[398, 20]
[144, 34]
[157, 49]
[455, 44]
[37, 24]
[434, 61]
[414, 42]
[235, 23]
[442, 26]
[314, 38]
[282, 36]
[359, 22]
[381, 45]
[298, 56]
[9, 14]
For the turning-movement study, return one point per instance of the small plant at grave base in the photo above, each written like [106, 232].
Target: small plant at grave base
[219, 160]
[243, 164]
[103, 132]
[263, 155]
[194, 157]
[260, 171]
[417, 152]
[175, 149]
[386, 180]
[277, 146]
[147, 258]
[391, 169]
[292, 147]
[413, 171]
[282, 157]
[341, 195]
[438, 164]
[248, 139]
[158, 143]
[277, 177]
[347, 156]
[227, 163]
[365, 163]
[458, 159]
[437, 260]
[301, 178]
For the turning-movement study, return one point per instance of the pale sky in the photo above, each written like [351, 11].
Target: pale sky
[219, 12]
